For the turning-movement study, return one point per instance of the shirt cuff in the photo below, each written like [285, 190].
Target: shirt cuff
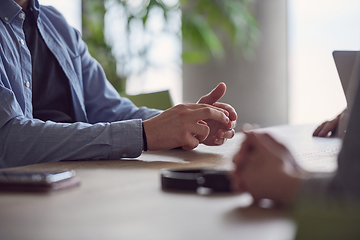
[127, 140]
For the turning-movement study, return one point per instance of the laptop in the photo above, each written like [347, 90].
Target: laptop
[345, 62]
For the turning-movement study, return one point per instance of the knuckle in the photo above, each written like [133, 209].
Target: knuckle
[207, 110]
[181, 107]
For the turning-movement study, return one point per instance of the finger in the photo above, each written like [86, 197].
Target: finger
[228, 134]
[232, 114]
[275, 146]
[210, 113]
[229, 108]
[325, 130]
[200, 112]
[202, 122]
[271, 142]
[195, 133]
[215, 140]
[260, 145]
[218, 141]
[329, 127]
[265, 142]
[233, 124]
[201, 105]
[250, 138]
[248, 127]
[185, 107]
[214, 95]
[188, 148]
[256, 148]
[230, 125]
[199, 131]
[191, 143]
[318, 129]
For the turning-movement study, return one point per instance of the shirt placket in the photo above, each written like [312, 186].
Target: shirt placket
[25, 62]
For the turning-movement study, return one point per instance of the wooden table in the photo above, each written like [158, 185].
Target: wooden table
[123, 199]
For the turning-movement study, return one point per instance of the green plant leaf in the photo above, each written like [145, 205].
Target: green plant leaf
[195, 57]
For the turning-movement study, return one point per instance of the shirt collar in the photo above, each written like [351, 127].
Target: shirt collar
[34, 7]
[9, 9]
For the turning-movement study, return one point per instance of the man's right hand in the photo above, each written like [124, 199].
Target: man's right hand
[182, 125]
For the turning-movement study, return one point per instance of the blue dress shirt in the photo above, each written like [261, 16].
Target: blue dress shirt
[107, 126]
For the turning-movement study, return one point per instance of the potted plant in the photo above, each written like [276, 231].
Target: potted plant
[207, 26]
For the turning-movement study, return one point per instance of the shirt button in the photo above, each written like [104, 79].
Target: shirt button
[27, 84]
[6, 18]
[22, 42]
[124, 155]
[21, 15]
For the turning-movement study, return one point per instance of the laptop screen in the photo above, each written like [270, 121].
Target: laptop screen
[348, 174]
[345, 62]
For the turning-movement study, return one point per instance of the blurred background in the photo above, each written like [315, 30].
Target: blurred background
[275, 56]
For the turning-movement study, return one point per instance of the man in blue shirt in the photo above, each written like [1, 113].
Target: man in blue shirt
[56, 103]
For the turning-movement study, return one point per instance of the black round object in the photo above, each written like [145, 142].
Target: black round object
[192, 179]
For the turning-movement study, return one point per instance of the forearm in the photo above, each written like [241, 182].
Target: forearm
[24, 141]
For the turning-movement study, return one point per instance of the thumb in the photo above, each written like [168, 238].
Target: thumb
[214, 95]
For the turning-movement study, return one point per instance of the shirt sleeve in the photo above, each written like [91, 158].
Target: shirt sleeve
[113, 128]
[28, 141]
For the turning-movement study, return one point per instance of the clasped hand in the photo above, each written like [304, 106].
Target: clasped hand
[187, 125]
[266, 169]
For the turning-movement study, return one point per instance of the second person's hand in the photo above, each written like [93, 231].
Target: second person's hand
[333, 127]
[266, 169]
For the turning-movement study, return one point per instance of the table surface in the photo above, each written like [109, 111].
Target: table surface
[122, 199]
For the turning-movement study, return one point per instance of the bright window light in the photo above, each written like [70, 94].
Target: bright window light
[316, 29]
[70, 9]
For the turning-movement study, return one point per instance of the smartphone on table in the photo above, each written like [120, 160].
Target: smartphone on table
[18, 181]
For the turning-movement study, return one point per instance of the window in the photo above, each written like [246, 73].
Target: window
[316, 28]
[71, 9]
